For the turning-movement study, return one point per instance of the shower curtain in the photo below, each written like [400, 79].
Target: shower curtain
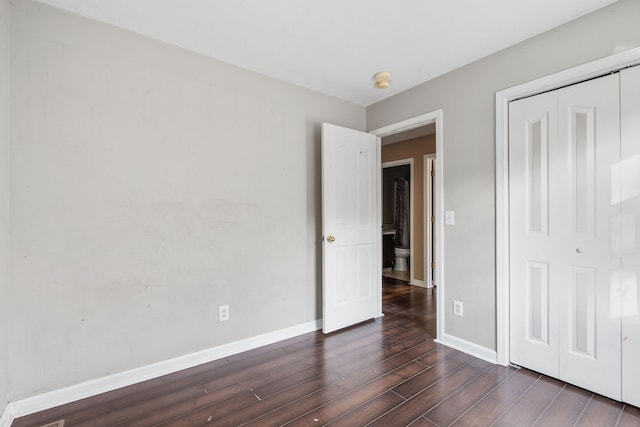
[402, 213]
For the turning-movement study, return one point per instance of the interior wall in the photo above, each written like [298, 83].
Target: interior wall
[414, 149]
[467, 98]
[4, 197]
[149, 185]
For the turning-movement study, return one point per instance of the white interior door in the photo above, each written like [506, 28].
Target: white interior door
[563, 265]
[629, 241]
[352, 280]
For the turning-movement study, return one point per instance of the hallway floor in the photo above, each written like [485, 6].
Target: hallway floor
[399, 275]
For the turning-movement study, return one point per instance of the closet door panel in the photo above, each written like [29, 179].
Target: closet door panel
[588, 149]
[629, 234]
[532, 142]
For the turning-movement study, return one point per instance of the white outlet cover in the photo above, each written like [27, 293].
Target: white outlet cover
[457, 308]
[223, 313]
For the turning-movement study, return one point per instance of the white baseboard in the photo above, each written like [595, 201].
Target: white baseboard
[90, 388]
[7, 417]
[418, 283]
[468, 347]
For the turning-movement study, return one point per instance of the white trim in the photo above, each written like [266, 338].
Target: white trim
[468, 347]
[438, 238]
[562, 78]
[97, 386]
[379, 225]
[405, 125]
[419, 283]
[394, 163]
[8, 416]
[427, 208]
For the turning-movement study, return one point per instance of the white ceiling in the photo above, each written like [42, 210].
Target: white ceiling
[336, 46]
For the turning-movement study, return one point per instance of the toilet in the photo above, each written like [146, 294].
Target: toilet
[401, 254]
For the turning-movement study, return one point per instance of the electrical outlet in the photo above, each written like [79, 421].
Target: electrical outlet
[223, 313]
[457, 308]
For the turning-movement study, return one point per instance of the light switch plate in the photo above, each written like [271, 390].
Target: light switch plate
[449, 218]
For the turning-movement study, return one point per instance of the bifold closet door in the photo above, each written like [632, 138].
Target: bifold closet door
[533, 141]
[589, 149]
[562, 147]
[629, 173]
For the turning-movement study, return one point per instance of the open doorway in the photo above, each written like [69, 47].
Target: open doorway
[407, 163]
[361, 235]
[396, 134]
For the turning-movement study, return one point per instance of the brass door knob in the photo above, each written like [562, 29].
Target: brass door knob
[331, 239]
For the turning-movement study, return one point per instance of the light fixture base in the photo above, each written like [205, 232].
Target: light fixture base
[383, 79]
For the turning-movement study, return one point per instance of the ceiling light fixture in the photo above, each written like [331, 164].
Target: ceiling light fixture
[383, 79]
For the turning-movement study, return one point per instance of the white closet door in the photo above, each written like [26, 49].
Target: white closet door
[562, 147]
[588, 152]
[629, 238]
[534, 239]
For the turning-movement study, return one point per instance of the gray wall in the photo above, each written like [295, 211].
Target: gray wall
[466, 97]
[148, 186]
[4, 144]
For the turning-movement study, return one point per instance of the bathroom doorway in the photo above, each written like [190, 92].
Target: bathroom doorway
[397, 219]
[407, 202]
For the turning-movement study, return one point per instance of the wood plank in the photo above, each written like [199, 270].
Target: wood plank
[353, 399]
[215, 410]
[567, 406]
[489, 409]
[600, 412]
[418, 405]
[339, 390]
[449, 409]
[532, 403]
[368, 412]
[423, 422]
[630, 417]
[433, 358]
[431, 376]
[218, 416]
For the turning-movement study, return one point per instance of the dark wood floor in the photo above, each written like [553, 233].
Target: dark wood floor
[386, 372]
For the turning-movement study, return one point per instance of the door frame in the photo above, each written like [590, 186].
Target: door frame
[403, 162]
[502, 98]
[438, 241]
[428, 194]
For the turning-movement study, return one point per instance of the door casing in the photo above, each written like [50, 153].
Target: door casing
[438, 209]
[428, 195]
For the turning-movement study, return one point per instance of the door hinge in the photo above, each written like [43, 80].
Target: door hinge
[433, 218]
[433, 173]
[433, 265]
